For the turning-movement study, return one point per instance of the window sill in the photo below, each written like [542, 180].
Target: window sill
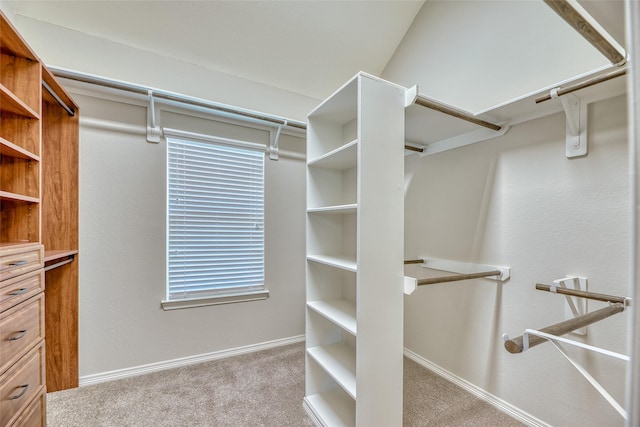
[214, 300]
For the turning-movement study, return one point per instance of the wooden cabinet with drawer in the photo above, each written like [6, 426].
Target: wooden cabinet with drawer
[21, 384]
[22, 331]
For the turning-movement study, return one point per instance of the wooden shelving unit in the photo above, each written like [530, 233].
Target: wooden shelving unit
[38, 224]
[354, 264]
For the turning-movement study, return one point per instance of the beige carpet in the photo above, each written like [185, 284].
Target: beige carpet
[259, 389]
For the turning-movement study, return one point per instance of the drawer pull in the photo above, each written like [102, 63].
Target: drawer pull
[18, 263]
[23, 390]
[19, 335]
[18, 291]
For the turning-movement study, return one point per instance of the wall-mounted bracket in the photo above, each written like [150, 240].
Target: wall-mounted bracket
[574, 306]
[274, 139]
[154, 133]
[575, 110]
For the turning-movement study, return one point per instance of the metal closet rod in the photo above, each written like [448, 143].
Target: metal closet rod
[428, 103]
[128, 87]
[585, 294]
[567, 12]
[59, 100]
[584, 84]
[457, 277]
[515, 345]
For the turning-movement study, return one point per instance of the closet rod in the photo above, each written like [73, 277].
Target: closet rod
[428, 103]
[584, 84]
[584, 294]
[410, 148]
[59, 264]
[515, 345]
[128, 87]
[55, 96]
[457, 277]
[413, 261]
[575, 19]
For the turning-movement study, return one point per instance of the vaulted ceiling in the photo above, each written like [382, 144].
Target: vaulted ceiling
[308, 47]
[304, 46]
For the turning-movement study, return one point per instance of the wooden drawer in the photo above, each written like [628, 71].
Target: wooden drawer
[21, 288]
[35, 415]
[19, 259]
[21, 327]
[20, 384]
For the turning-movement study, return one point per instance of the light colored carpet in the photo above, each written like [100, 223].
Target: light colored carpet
[258, 389]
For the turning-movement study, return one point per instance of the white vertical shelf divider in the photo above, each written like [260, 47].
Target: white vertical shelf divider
[355, 246]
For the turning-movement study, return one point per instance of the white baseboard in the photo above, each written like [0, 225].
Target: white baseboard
[484, 395]
[184, 361]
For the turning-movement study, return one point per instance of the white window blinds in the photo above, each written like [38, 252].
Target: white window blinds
[216, 219]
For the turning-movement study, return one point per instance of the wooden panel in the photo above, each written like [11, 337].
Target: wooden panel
[20, 384]
[20, 329]
[61, 323]
[60, 188]
[22, 77]
[20, 176]
[19, 222]
[21, 288]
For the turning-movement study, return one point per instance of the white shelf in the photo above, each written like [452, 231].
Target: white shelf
[353, 167]
[333, 408]
[343, 263]
[344, 157]
[337, 209]
[340, 312]
[339, 361]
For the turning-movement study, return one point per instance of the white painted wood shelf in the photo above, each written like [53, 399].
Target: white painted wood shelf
[340, 312]
[331, 408]
[339, 360]
[352, 136]
[335, 261]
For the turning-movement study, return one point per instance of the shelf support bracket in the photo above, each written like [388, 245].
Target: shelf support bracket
[275, 137]
[575, 110]
[153, 130]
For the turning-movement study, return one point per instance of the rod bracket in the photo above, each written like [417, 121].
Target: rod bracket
[574, 306]
[154, 133]
[274, 140]
[575, 110]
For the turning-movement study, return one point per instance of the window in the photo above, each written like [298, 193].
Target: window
[215, 223]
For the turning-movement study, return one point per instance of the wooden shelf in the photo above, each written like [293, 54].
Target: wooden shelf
[339, 361]
[12, 197]
[10, 149]
[340, 312]
[10, 103]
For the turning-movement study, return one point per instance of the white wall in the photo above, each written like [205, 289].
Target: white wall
[515, 201]
[123, 256]
[122, 210]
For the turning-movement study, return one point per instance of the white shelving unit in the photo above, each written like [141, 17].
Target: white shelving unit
[355, 235]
